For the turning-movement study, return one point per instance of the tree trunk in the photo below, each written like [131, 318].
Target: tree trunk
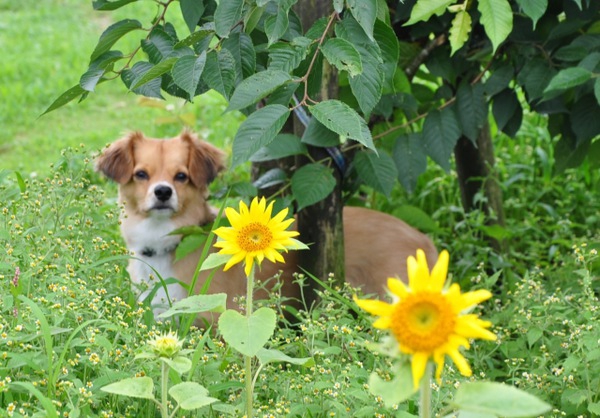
[321, 225]
[475, 169]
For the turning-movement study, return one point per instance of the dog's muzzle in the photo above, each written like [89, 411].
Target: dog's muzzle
[163, 197]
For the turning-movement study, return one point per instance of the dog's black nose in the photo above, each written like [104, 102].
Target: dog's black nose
[163, 193]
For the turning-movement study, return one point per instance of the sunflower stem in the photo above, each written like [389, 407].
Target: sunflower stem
[425, 393]
[248, 359]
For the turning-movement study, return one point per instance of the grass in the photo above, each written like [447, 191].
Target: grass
[72, 325]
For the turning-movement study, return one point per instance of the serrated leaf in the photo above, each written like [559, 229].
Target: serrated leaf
[194, 304]
[410, 158]
[227, 14]
[342, 55]
[504, 107]
[110, 5]
[365, 13]
[150, 89]
[135, 387]
[424, 9]
[566, 79]
[312, 183]
[284, 145]
[498, 399]
[192, 11]
[535, 76]
[499, 80]
[585, 122]
[597, 89]
[257, 131]
[318, 135]
[112, 34]
[256, 87]
[497, 20]
[377, 171]
[533, 8]
[219, 72]
[154, 72]
[390, 53]
[158, 46]
[97, 68]
[247, 335]
[459, 31]
[242, 50]
[266, 356]
[187, 72]
[287, 56]
[270, 178]
[66, 97]
[191, 395]
[472, 109]
[194, 38]
[343, 120]
[276, 25]
[441, 131]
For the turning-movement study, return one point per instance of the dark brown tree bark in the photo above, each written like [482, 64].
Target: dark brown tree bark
[475, 169]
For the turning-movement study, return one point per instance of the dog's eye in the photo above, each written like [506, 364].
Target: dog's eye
[141, 175]
[181, 177]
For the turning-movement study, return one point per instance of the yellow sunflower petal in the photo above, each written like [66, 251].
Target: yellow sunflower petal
[374, 307]
[418, 366]
[397, 287]
[236, 258]
[461, 362]
[438, 358]
[470, 326]
[418, 272]
[439, 272]
[383, 323]
[470, 299]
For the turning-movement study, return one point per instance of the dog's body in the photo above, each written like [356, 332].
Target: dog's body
[163, 187]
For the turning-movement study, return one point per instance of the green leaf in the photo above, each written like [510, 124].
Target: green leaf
[191, 395]
[242, 50]
[410, 158]
[440, 133]
[98, 67]
[284, 145]
[497, 20]
[312, 183]
[535, 76]
[187, 72]
[257, 131]
[66, 97]
[112, 34]
[154, 72]
[276, 25]
[192, 11]
[288, 56]
[266, 356]
[499, 80]
[219, 72]
[417, 218]
[179, 364]
[395, 391]
[498, 399]
[270, 178]
[504, 107]
[597, 89]
[533, 8]
[459, 32]
[377, 171]
[585, 122]
[49, 409]
[318, 135]
[343, 120]
[342, 54]
[196, 304]
[158, 46]
[189, 244]
[214, 260]
[424, 9]
[195, 38]
[390, 53]
[135, 387]
[247, 335]
[110, 5]
[365, 13]
[256, 87]
[227, 14]
[566, 79]
[151, 88]
[472, 109]
[533, 335]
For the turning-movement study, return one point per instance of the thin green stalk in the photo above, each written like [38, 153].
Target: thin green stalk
[164, 406]
[248, 359]
[425, 393]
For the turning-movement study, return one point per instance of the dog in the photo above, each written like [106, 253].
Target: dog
[163, 186]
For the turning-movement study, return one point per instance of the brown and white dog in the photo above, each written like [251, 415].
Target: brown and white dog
[163, 186]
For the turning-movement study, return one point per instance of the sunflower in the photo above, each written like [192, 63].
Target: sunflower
[166, 344]
[427, 320]
[255, 235]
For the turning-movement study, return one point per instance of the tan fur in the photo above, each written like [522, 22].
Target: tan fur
[376, 244]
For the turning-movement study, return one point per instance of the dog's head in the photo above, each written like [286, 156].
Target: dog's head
[161, 177]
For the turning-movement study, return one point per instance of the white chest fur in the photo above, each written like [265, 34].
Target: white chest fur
[153, 250]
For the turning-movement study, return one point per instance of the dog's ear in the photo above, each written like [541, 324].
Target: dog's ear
[116, 162]
[206, 160]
